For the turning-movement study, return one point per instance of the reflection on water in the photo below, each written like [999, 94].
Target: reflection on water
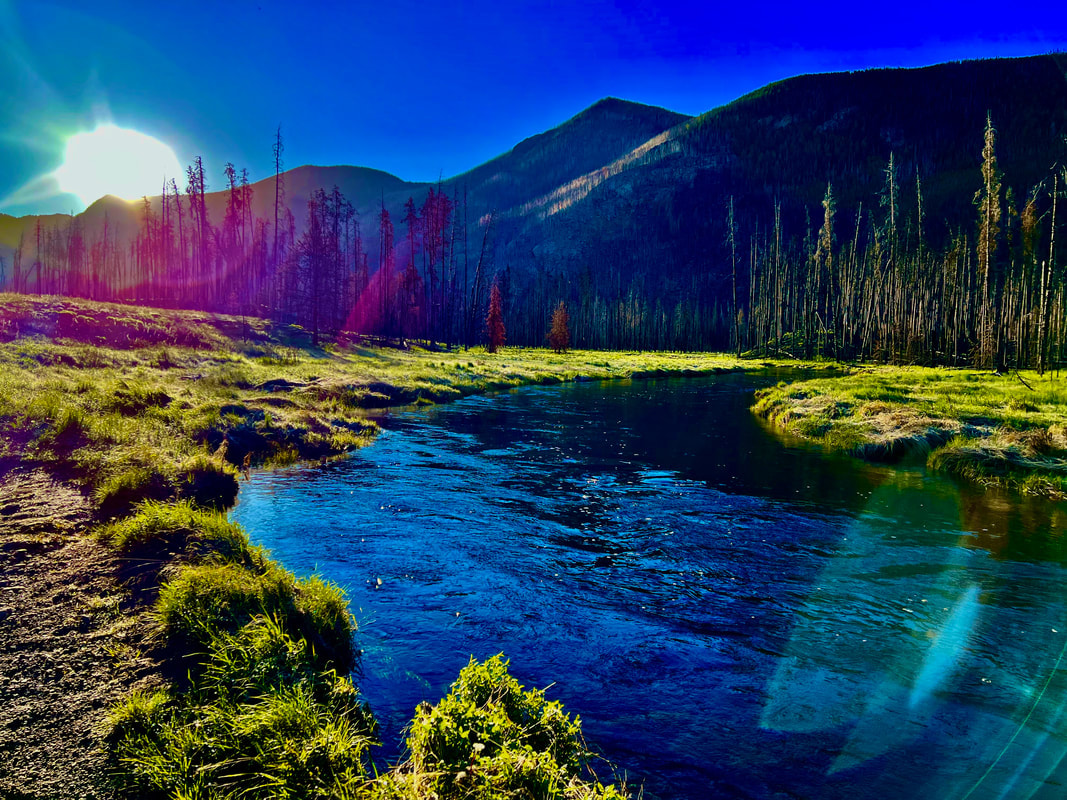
[731, 617]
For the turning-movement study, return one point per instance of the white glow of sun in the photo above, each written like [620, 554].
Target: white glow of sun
[117, 161]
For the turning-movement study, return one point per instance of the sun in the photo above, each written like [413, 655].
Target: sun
[117, 161]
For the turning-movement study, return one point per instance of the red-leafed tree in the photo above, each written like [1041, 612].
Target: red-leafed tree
[494, 321]
[559, 336]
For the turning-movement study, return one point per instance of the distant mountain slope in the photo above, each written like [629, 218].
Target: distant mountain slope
[664, 202]
[624, 195]
[605, 131]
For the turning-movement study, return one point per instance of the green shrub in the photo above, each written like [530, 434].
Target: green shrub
[491, 739]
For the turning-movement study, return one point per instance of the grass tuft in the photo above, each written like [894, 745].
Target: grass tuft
[491, 738]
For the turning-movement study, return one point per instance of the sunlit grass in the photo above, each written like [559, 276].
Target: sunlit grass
[144, 404]
[1007, 429]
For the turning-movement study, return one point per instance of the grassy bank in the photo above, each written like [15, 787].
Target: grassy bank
[152, 415]
[144, 404]
[1006, 430]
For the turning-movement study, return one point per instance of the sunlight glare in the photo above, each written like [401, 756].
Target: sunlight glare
[117, 161]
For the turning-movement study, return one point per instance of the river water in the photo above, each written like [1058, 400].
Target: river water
[731, 615]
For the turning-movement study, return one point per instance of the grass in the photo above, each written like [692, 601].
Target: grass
[156, 413]
[263, 722]
[1005, 430]
[143, 404]
[490, 738]
[265, 709]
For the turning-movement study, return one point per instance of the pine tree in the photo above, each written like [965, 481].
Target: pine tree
[559, 337]
[494, 321]
[988, 201]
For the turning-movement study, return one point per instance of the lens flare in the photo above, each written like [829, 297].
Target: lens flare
[117, 161]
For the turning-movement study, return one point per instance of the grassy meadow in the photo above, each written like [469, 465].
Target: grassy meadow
[995, 429]
[138, 404]
[155, 414]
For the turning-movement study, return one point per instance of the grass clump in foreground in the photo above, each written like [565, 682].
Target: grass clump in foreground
[488, 738]
[266, 709]
[1005, 430]
[262, 720]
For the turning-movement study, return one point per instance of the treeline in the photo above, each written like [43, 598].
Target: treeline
[874, 288]
[866, 282]
[428, 281]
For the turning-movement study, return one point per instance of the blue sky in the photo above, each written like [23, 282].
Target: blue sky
[423, 89]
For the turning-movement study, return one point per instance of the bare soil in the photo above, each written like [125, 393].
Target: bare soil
[69, 641]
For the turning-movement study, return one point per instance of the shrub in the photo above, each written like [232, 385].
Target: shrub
[490, 738]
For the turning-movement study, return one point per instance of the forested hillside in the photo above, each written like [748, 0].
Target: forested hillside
[895, 214]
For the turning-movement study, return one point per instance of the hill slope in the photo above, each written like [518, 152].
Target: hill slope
[666, 200]
[630, 200]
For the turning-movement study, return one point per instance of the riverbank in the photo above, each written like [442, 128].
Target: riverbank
[104, 407]
[994, 429]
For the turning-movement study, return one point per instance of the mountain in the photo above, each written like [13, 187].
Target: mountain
[664, 202]
[607, 130]
[628, 202]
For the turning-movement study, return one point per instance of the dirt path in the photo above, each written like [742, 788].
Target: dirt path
[68, 642]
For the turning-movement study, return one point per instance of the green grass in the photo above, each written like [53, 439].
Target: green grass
[1006, 430]
[264, 721]
[142, 404]
[490, 738]
[180, 527]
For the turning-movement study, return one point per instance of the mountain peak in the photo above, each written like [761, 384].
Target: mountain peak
[616, 105]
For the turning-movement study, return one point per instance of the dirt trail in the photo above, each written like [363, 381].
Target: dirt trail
[69, 641]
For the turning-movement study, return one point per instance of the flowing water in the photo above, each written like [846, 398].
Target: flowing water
[730, 614]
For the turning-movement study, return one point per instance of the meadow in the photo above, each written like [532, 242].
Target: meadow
[155, 414]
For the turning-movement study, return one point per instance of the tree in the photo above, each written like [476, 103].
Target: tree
[494, 321]
[279, 190]
[988, 201]
[559, 337]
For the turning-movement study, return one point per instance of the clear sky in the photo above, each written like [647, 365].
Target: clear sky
[423, 89]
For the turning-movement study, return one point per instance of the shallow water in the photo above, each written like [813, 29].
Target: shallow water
[730, 615]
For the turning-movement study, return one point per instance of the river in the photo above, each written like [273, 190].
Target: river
[732, 615]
